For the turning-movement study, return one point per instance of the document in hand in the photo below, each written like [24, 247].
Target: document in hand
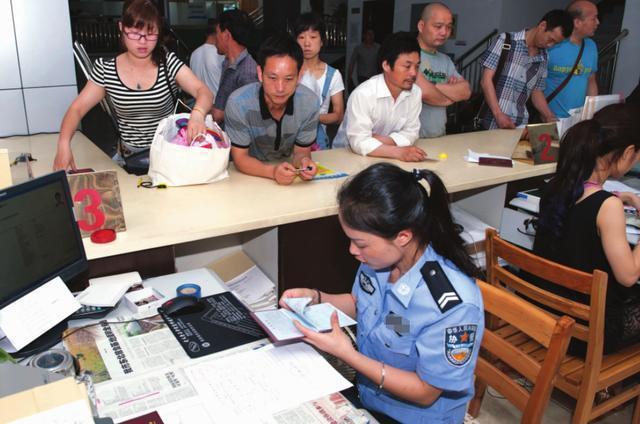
[278, 323]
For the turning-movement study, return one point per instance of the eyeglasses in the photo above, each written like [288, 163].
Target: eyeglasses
[137, 36]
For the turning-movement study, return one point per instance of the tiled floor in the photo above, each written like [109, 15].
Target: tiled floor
[496, 410]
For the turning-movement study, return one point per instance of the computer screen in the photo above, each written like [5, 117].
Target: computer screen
[39, 237]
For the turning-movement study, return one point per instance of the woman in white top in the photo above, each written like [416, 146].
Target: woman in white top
[317, 75]
[141, 83]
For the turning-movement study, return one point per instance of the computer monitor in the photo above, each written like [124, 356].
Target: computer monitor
[39, 236]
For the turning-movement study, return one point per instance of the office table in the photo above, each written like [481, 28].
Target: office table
[278, 226]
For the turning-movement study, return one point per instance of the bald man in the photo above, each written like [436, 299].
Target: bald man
[563, 56]
[438, 79]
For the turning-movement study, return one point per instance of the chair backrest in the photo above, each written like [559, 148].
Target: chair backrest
[594, 285]
[553, 333]
[85, 63]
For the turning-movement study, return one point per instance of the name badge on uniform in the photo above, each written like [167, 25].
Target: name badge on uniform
[365, 283]
[458, 343]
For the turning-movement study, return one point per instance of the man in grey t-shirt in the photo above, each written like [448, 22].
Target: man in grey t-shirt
[440, 82]
[275, 119]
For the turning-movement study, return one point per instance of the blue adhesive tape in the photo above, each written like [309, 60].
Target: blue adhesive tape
[188, 289]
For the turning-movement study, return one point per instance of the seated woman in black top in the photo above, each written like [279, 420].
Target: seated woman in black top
[583, 226]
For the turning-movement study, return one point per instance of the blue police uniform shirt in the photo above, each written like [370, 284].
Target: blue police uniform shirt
[402, 325]
[562, 57]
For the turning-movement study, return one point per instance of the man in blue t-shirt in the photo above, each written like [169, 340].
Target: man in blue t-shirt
[562, 58]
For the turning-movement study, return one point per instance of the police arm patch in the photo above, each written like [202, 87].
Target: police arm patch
[365, 283]
[459, 342]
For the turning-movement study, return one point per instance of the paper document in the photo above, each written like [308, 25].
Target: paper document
[474, 157]
[36, 312]
[251, 386]
[107, 291]
[5, 169]
[278, 323]
[167, 391]
[255, 289]
[60, 402]
[77, 412]
[614, 185]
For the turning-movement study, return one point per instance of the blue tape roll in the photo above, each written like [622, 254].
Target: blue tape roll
[188, 289]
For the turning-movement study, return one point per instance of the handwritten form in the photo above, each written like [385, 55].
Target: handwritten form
[254, 385]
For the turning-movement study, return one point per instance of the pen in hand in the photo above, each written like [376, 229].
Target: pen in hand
[308, 168]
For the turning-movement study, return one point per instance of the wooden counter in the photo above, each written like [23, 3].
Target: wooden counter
[164, 217]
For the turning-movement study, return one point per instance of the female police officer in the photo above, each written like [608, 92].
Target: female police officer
[419, 311]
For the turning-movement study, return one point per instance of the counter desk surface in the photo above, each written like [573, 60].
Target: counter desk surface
[163, 217]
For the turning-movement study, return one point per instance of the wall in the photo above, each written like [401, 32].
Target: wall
[628, 67]
[470, 29]
[479, 17]
[517, 15]
[37, 74]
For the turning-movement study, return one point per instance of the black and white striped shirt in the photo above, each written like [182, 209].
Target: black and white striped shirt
[139, 111]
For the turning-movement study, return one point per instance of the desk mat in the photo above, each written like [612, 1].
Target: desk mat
[223, 324]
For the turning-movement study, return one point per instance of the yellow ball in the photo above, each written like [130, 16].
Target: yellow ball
[443, 156]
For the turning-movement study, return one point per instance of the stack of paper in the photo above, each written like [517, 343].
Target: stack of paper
[255, 289]
[592, 104]
[473, 233]
[107, 291]
[246, 280]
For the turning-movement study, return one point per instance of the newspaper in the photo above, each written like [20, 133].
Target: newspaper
[166, 391]
[330, 409]
[119, 399]
[109, 351]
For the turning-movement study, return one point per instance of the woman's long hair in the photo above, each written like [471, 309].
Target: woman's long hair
[384, 200]
[143, 14]
[611, 130]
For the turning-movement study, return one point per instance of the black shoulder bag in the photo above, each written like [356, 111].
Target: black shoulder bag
[534, 114]
[506, 47]
[138, 163]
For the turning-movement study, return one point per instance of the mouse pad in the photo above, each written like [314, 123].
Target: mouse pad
[223, 324]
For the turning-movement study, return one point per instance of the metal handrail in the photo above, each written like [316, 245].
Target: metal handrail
[607, 62]
[611, 44]
[475, 47]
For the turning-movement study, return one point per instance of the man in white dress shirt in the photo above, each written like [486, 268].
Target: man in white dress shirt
[382, 116]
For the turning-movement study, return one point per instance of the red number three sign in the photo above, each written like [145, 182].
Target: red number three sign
[97, 203]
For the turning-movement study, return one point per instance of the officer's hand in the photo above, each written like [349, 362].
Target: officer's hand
[334, 342]
[297, 293]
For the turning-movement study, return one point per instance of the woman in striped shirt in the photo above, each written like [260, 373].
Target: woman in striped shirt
[141, 83]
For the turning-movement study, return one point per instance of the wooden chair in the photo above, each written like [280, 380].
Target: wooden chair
[553, 334]
[580, 378]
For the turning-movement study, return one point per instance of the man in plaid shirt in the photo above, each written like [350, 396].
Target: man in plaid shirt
[523, 74]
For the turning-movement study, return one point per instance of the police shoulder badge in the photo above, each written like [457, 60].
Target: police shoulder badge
[458, 343]
[365, 283]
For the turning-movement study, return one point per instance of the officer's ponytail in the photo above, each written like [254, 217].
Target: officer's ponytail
[384, 200]
[439, 227]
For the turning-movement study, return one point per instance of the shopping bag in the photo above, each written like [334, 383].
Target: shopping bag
[174, 164]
